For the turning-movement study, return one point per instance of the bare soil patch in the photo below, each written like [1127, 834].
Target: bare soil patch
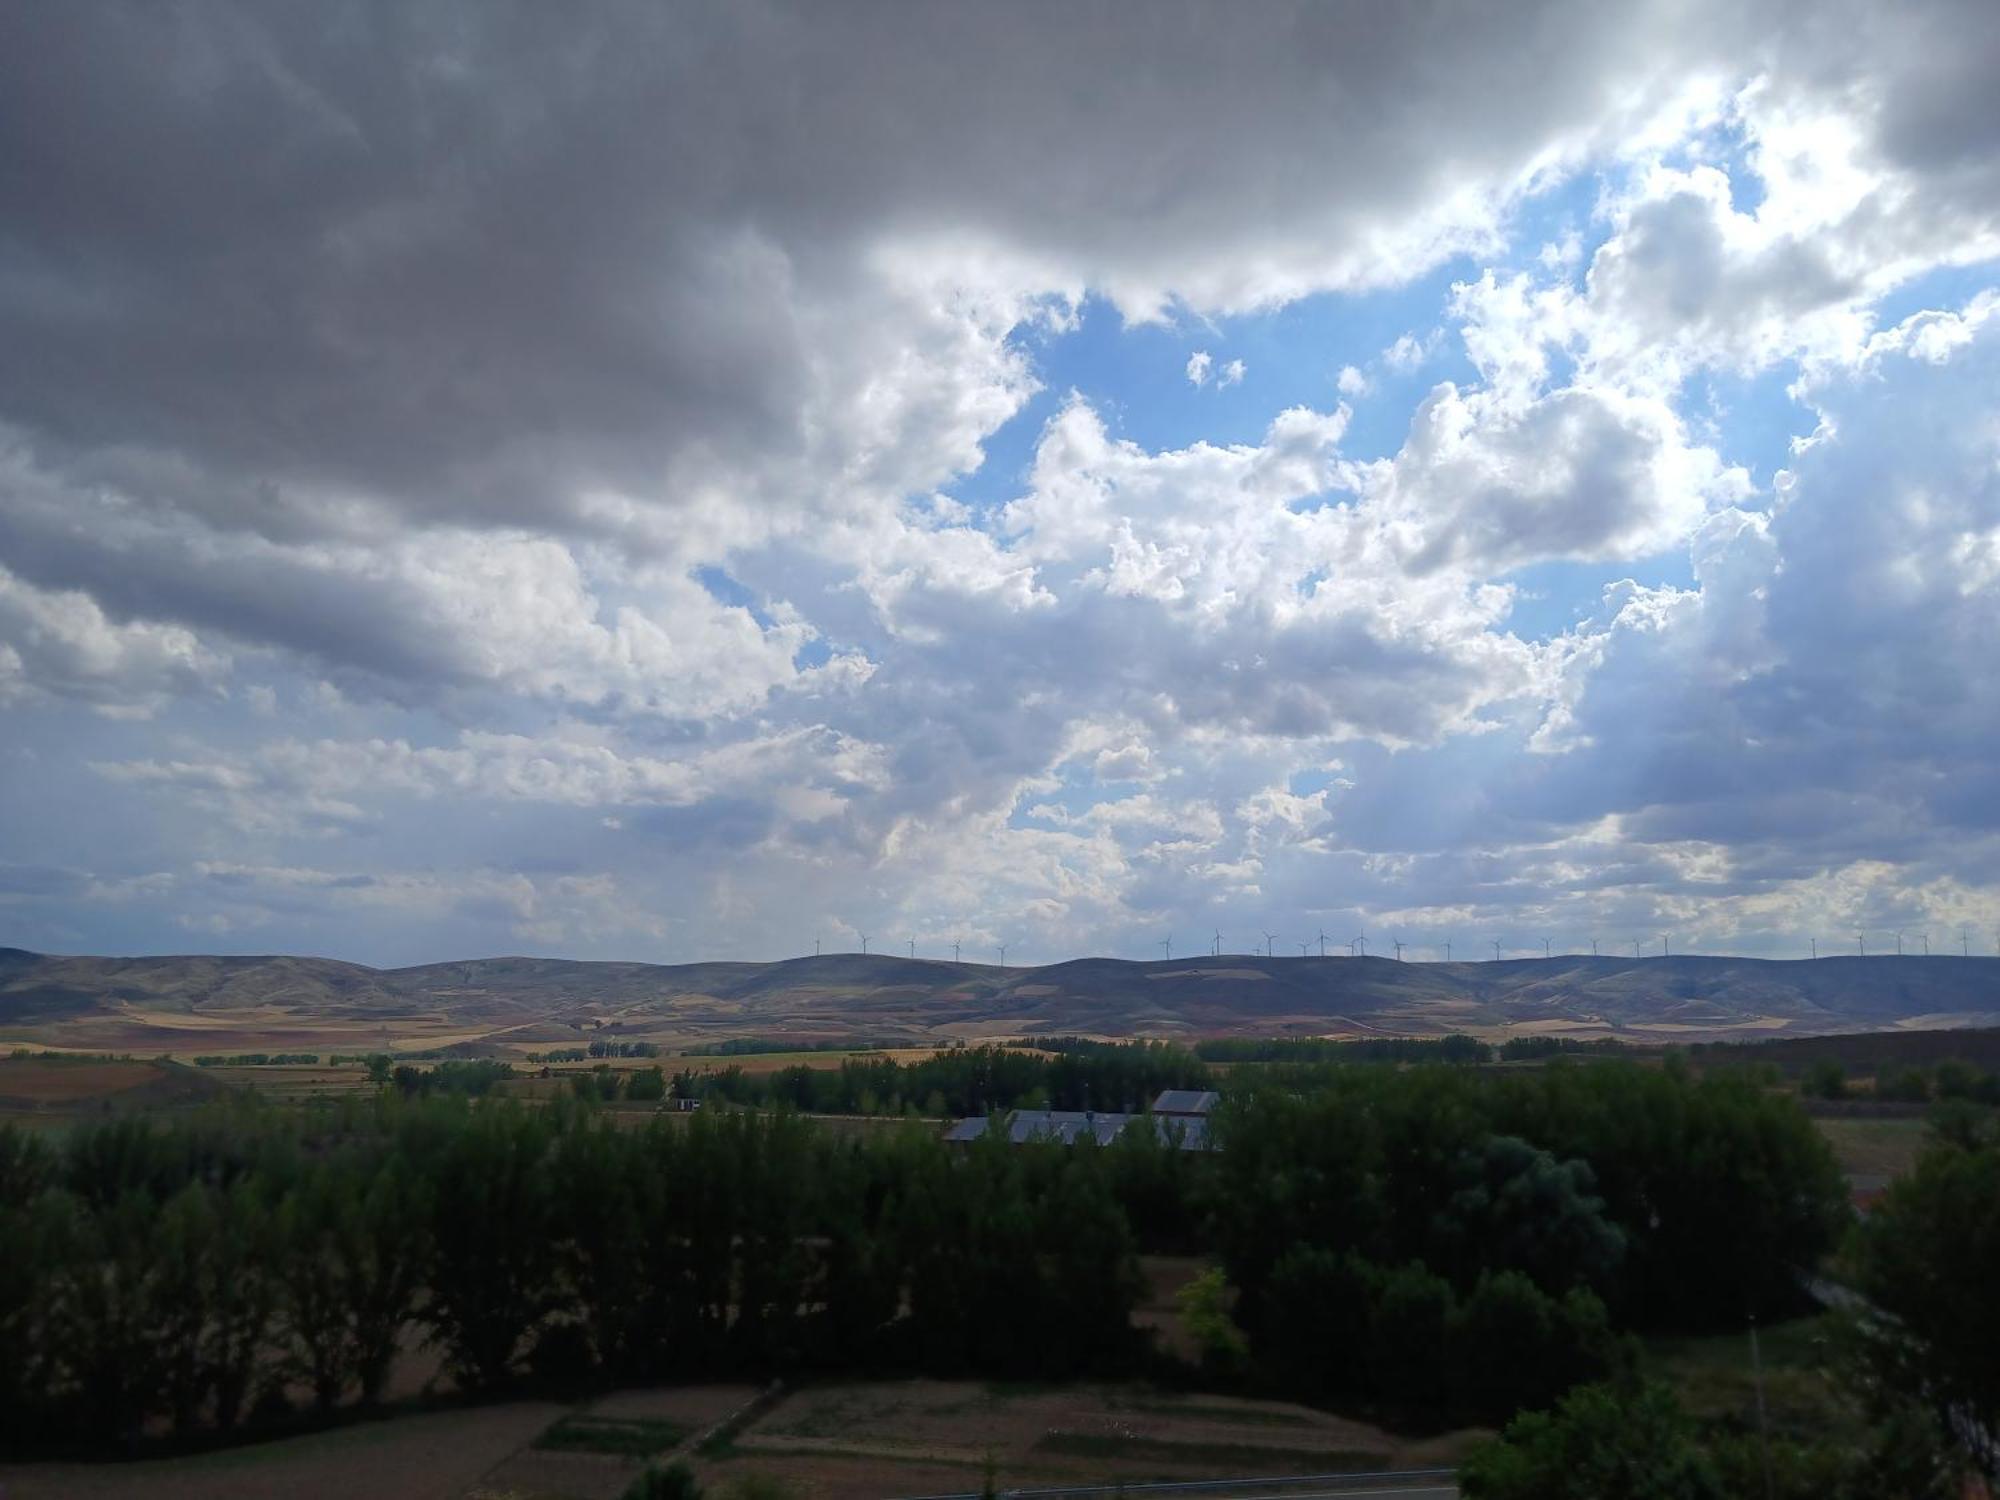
[439, 1456]
[43, 1081]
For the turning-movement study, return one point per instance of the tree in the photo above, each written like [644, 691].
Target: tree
[1514, 1346]
[1204, 1310]
[1925, 1260]
[489, 1279]
[1518, 1208]
[1825, 1079]
[1597, 1444]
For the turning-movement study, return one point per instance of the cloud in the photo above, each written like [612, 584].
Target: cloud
[656, 454]
[60, 643]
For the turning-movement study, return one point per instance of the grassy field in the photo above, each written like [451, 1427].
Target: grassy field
[1874, 1148]
[1716, 1378]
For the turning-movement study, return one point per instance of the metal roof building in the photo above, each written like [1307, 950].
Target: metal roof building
[1066, 1127]
[1185, 1102]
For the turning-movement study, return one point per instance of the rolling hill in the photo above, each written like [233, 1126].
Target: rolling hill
[185, 1004]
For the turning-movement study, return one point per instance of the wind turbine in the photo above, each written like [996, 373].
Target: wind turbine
[1361, 943]
[1965, 945]
[1270, 944]
[954, 950]
[1635, 947]
[1399, 949]
[1218, 943]
[864, 943]
[1927, 944]
[1167, 943]
[1302, 949]
[1815, 947]
[1663, 945]
[913, 948]
[1496, 950]
[1447, 950]
[1545, 947]
[1899, 943]
[1003, 954]
[1861, 942]
[1322, 942]
[1593, 947]
[815, 945]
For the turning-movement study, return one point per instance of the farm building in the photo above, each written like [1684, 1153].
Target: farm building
[1180, 1116]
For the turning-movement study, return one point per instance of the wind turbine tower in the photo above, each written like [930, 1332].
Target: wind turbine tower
[1270, 944]
[1218, 943]
[1399, 949]
[1496, 950]
[864, 943]
[1167, 943]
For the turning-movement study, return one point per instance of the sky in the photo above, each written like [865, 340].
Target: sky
[668, 483]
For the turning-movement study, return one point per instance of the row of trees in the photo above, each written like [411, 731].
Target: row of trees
[256, 1059]
[189, 1274]
[1438, 1237]
[971, 1081]
[1445, 1049]
[1907, 1084]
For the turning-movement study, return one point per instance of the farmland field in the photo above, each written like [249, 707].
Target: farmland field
[1874, 1147]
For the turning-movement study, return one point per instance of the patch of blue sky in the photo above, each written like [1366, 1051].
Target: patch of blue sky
[1748, 419]
[1946, 289]
[1553, 597]
[1077, 792]
[724, 589]
[1135, 376]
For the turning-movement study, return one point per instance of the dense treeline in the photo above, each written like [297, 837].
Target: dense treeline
[1906, 1083]
[1444, 1049]
[474, 1078]
[1915, 1370]
[1535, 1048]
[1445, 1238]
[187, 1275]
[1679, 1201]
[971, 1081]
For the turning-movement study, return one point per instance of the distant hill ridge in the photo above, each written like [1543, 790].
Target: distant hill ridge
[135, 1002]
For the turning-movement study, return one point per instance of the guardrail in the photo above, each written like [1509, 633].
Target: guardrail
[1278, 1483]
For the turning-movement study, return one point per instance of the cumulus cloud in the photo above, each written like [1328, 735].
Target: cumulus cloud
[518, 466]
